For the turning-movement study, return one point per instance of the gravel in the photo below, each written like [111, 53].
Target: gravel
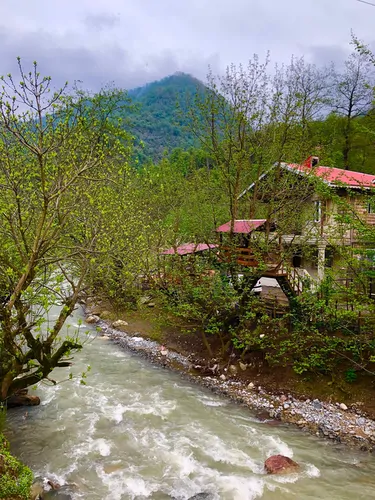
[334, 421]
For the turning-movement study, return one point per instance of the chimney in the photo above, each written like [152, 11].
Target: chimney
[311, 161]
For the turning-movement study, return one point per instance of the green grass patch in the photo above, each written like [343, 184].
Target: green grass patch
[15, 478]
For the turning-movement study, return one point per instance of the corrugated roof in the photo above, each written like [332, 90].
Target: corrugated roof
[189, 248]
[335, 176]
[241, 226]
[332, 176]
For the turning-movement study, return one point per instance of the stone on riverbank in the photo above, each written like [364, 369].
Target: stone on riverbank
[120, 324]
[22, 400]
[279, 464]
[233, 369]
[92, 319]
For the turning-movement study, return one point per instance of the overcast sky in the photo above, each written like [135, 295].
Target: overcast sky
[132, 42]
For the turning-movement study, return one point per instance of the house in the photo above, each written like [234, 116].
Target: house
[307, 213]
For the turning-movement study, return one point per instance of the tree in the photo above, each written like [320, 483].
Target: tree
[59, 153]
[354, 95]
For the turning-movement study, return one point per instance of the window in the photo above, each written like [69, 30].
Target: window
[370, 208]
[318, 211]
[329, 257]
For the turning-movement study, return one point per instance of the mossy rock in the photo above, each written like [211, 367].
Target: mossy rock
[15, 478]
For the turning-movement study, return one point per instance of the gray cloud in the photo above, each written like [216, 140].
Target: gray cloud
[99, 22]
[94, 67]
[133, 42]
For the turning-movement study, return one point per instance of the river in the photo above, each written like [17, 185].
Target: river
[138, 431]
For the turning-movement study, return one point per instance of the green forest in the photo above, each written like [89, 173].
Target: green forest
[336, 110]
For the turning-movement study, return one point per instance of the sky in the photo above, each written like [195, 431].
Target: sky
[132, 42]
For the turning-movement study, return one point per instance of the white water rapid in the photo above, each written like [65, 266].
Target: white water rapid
[137, 431]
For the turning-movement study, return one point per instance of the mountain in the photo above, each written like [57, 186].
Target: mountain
[159, 123]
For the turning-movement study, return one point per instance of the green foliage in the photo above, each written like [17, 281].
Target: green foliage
[159, 122]
[351, 375]
[15, 478]
[60, 157]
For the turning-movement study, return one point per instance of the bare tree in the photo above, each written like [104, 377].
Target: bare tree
[354, 95]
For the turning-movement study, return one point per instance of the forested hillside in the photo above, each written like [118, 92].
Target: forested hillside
[340, 128]
[158, 121]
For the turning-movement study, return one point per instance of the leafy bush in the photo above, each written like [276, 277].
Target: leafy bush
[15, 478]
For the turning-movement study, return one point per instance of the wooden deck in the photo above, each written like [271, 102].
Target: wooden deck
[291, 280]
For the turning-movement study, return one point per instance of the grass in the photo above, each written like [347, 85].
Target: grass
[15, 478]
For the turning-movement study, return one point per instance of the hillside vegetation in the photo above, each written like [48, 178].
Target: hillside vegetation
[159, 123]
[341, 132]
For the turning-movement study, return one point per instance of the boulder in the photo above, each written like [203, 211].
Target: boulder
[92, 319]
[279, 464]
[243, 366]
[37, 489]
[22, 400]
[120, 323]
[343, 407]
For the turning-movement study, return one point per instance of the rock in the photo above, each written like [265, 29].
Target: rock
[233, 369]
[317, 404]
[151, 304]
[243, 366]
[251, 386]
[92, 319]
[279, 464]
[22, 400]
[361, 421]
[54, 485]
[286, 406]
[120, 323]
[223, 377]
[343, 406]
[37, 489]
[164, 352]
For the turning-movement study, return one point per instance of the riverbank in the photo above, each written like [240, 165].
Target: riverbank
[334, 421]
[15, 478]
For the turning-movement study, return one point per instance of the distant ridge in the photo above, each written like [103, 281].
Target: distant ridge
[157, 121]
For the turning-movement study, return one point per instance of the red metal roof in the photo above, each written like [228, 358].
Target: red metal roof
[189, 248]
[336, 176]
[241, 226]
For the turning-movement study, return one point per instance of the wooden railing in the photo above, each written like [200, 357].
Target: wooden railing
[242, 256]
[298, 278]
